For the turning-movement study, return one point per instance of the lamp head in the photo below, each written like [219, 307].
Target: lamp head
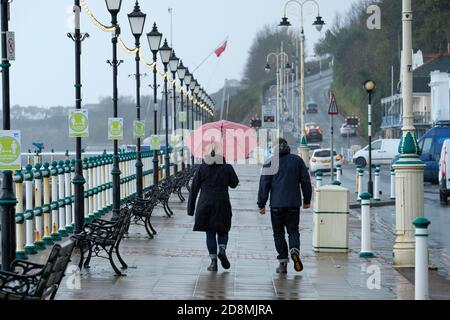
[165, 51]
[319, 23]
[137, 21]
[284, 22]
[370, 86]
[154, 39]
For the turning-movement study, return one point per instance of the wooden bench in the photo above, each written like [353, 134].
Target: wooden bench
[32, 281]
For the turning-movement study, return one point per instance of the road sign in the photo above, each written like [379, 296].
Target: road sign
[78, 123]
[333, 108]
[10, 143]
[269, 117]
[255, 123]
[352, 122]
[10, 46]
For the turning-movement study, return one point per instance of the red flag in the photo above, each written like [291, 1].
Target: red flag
[221, 49]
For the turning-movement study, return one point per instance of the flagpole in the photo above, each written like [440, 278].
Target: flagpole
[210, 54]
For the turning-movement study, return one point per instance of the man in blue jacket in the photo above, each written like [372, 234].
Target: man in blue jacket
[282, 177]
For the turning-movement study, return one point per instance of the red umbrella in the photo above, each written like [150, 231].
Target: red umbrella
[236, 140]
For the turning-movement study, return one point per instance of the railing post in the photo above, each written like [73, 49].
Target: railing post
[30, 248]
[86, 190]
[421, 290]
[68, 196]
[98, 184]
[357, 180]
[47, 205]
[38, 211]
[90, 163]
[55, 235]
[61, 202]
[72, 190]
[20, 218]
[366, 238]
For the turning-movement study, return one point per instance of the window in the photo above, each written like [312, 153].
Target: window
[426, 146]
[323, 153]
[376, 145]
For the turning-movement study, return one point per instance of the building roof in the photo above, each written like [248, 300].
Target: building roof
[422, 76]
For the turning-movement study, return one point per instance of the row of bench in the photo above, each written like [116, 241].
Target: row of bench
[28, 280]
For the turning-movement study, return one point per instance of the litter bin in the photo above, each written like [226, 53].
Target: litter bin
[330, 221]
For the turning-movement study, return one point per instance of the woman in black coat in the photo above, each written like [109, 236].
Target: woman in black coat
[213, 214]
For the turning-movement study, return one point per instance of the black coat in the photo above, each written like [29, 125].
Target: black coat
[213, 208]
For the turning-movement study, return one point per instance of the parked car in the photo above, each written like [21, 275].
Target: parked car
[430, 145]
[383, 151]
[321, 160]
[312, 107]
[313, 132]
[345, 130]
[312, 147]
[444, 172]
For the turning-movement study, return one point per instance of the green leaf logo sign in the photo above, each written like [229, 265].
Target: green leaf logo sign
[9, 149]
[78, 122]
[139, 129]
[115, 128]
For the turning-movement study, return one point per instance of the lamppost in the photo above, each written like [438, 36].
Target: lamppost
[279, 62]
[187, 82]
[166, 52]
[137, 22]
[154, 39]
[192, 87]
[197, 92]
[173, 65]
[304, 149]
[370, 86]
[7, 198]
[409, 199]
[114, 8]
[181, 75]
[78, 179]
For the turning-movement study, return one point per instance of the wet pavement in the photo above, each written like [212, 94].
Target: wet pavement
[173, 264]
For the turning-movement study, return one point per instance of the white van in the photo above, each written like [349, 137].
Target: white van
[444, 172]
[383, 151]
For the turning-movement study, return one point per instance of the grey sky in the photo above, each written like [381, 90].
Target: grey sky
[43, 73]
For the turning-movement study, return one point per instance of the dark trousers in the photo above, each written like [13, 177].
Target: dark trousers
[213, 239]
[289, 219]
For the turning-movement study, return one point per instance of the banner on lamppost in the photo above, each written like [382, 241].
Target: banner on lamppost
[115, 128]
[182, 116]
[10, 145]
[10, 46]
[139, 129]
[269, 117]
[155, 142]
[78, 123]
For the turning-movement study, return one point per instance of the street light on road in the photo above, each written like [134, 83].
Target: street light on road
[166, 52]
[370, 86]
[114, 8]
[137, 22]
[154, 39]
[318, 23]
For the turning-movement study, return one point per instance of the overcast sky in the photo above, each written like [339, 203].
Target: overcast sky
[43, 73]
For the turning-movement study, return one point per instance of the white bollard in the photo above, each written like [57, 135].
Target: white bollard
[338, 172]
[392, 184]
[39, 222]
[47, 205]
[421, 291]
[366, 238]
[376, 188]
[360, 182]
[319, 177]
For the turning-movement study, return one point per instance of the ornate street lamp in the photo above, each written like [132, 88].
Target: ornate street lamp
[166, 52]
[154, 40]
[173, 65]
[182, 70]
[137, 22]
[114, 8]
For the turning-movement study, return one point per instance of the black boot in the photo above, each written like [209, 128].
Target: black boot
[213, 265]
[282, 268]
[223, 259]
